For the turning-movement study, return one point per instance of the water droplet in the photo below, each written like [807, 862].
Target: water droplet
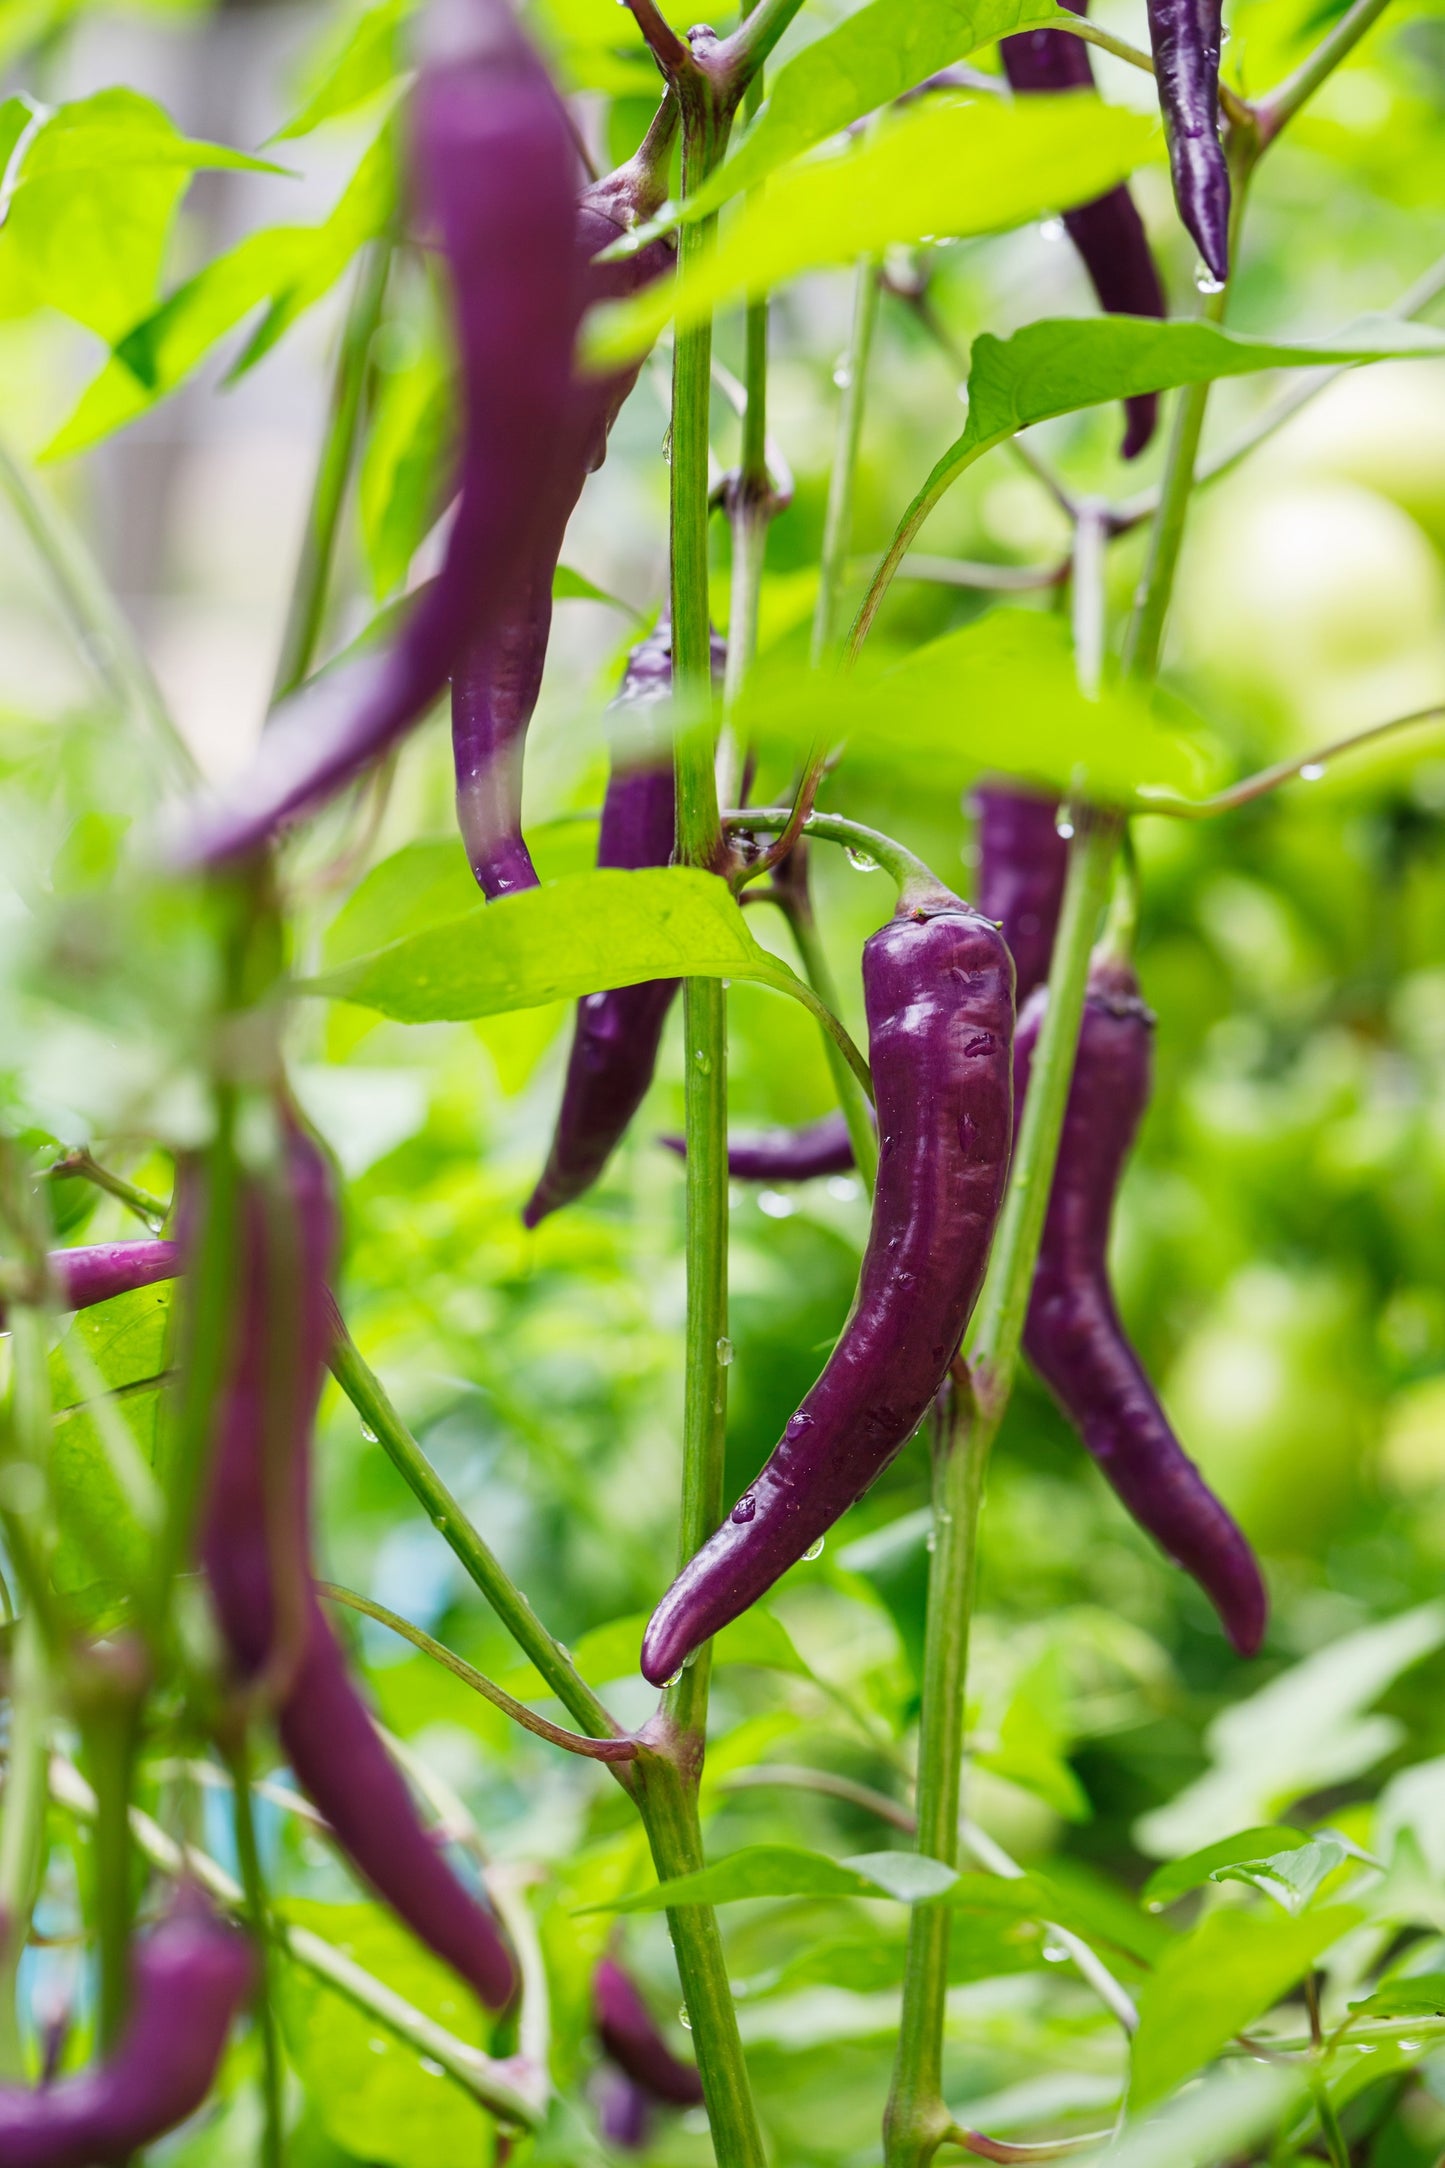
[369, 1434]
[1055, 1954]
[930, 1541]
[843, 374]
[744, 1510]
[1205, 280]
[845, 1187]
[672, 1679]
[1409, 2047]
[1052, 229]
[691, 1658]
[1063, 824]
[703, 1059]
[725, 1352]
[153, 1222]
[798, 1423]
[1312, 771]
[860, 860]
[962, 395]
[441, 1524]
[775, 1204]
[377, 2047]
[814, 1550]
[667, 432]
[683, 2019]
[438, 2070]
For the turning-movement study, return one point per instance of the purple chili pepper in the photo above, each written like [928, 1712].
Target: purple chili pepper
[95, 1271]
[614, 1046]
[1073, 1336]
[494, 166]
[189, 1979]
[1022, 861]
[1186, 37]
[632, 2039]
[256, 1548]
[785, 1155]
[624, 2112]
[495, 687]
[938, 990]
[1108, 232]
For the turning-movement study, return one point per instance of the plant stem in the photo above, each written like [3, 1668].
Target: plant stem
[851, 1097]
[258, 1914]
[916, 2121]
[1279, 106]
[80, 1166]
[838, 520]
[22, 1827]
[368, 1396]
[751, 503]
[328, 490]
[97, 622]
[110, 1738]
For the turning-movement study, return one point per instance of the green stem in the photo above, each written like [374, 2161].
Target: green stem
[97, 622]
[263, 2007]
[1279, 106]
[751, 504]
[80, 1166]
[368, 1396]
[917, 2122]
[110, 1737]
[838, 520]
[900, 864]
[750, 46]
[851, 1097]
[328, 491]
[22, 1827]
[667, 1795]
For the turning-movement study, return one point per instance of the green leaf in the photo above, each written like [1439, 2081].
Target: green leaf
[1001, 693]
[786, 1870]
[365, 210]
[979, 1949]
[947, 166]
[407, 465]
[91, 207]
[570, 586]
[1212, 1983]
[870, 59]
[1167, 1884]
[374, 2095]
[1221, 2119]
[1290, 1877]
[369, 58]
[1420, 1994]
[102, 1547]
[574, 936]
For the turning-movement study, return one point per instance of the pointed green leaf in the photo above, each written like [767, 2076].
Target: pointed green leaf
[1167, 1884]
[787, 1870]
[369, 58]
[406, 468]
[945, 167]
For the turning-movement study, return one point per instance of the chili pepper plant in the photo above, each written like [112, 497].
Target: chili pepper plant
[722, 1406]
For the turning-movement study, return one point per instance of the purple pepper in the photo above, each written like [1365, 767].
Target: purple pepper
[1022, 862]
[189, 1979]
[1186, 38]
[785, 1155]
[495, 687]
[624, 2112]
[614, 1046]
[1073, 1336]
[1108, 232]
[631, 2038]
[96, 1271]
[494, 164]
[938, 990]
[255, 1544]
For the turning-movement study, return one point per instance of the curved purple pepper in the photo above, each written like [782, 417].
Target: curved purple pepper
[1073, 1336]
[1108, 233]
[1022, 863]
[624, 2113]
[95, 1271]
[258, 1565]
[614, 1045]
[630, 2037]
[1186, 37]
[785, 1155]
[494, 165]
[938, 989]
[495, 687]
[189, 1979]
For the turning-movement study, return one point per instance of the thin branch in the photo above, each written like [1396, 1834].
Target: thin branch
[902, 865]
[974, 2141]
[1121, 49]
[79, 1165]
[610, 1750]
[1091, 1967]
[985, 578]
[749, 46]
[1280, 105]
[1309, 767]
[671, 52]
[829, 1784]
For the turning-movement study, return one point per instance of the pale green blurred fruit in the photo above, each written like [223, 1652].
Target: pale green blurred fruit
[1261, 1397]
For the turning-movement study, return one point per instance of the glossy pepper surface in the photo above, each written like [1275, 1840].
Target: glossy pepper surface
[493, 168]
[785, 1155]
[938, 991]
[617, 1034]
[1073, 1336]
[189, 1978]
[257, 1555]
[1186, 37]
[1022, 864]
[495, 686]
[1108, 232]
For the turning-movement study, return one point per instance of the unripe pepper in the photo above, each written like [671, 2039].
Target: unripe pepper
[1073, 1336]
[189, 1978]
[1108, 232]
[938, 991]
[495, 687]
[1186, 37]
[614, 1045]
[1022, 863]
[255, 1544]
[494, 166]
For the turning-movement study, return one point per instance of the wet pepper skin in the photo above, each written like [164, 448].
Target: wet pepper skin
[785, 1155]
[189, 1979]
[1073, 1336]
[1108, 233]
[494, 169]
[258, 1563]
[1022, 864]
[95, 1271]
[495, 687]
[1186, 37]
[938, 986]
